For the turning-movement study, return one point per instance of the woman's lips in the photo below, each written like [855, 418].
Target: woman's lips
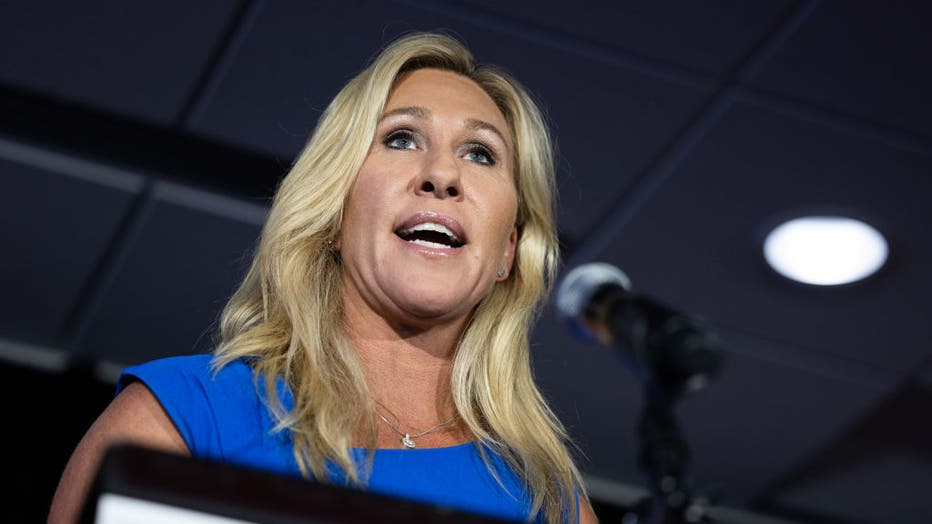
[433, 231]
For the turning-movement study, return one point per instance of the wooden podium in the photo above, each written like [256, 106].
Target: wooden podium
[141, 486]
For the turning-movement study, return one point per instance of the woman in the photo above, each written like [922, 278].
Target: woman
[387, 308]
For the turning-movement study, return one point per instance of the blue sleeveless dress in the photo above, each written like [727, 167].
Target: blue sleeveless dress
[224, 417]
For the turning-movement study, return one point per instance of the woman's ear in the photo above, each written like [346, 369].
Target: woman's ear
[334, 243]
[509, 258]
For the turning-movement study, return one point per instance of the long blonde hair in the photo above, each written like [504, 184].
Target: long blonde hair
[286, 316]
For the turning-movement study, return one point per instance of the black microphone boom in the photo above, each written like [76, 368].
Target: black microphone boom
[670, 352]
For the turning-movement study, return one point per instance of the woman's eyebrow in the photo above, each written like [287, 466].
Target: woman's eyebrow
[477, 125]
[415, 111]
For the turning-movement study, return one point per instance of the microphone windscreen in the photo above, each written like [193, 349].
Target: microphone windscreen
[577, 290]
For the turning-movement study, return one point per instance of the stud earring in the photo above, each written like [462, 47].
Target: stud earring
[501, 272]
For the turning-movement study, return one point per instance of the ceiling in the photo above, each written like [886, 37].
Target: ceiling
[141, 141]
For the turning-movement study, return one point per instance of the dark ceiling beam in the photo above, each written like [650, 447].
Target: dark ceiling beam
[157, 151]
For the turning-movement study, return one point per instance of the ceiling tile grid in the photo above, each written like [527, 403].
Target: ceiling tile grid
[860, 58]
[57, 217]
[711, 37]
[279, 82]
[141, 59]
[685, 132]
[177, 271]
[697, 242]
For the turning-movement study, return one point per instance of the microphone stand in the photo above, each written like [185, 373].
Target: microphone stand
[663, 457]
[671, 354]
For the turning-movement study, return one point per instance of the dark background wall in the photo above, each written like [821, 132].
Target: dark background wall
[140, 143]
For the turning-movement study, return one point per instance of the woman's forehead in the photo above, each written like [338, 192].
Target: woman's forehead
[435, 91]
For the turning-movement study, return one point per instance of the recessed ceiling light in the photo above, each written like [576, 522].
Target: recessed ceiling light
[825, 250]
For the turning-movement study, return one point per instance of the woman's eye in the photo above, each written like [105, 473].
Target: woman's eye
[480, 154]
[401, 139]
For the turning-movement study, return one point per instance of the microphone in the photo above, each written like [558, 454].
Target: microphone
[670, 352]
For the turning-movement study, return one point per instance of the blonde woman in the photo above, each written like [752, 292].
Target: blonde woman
[380, 337]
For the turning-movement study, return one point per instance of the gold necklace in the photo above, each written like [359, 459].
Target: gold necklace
[407, 438]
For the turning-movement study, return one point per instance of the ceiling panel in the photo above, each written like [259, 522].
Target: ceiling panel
[761, 417]
[861, 58]
[710, 36]
[923, 373]
[879, 470]
[141, 59]
[280, 81]
[883, 457]
[892, 488]
[697, 242]
[189, 253]
[57, 217]
[608, 129]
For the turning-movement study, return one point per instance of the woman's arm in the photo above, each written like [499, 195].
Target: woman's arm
[134, 416]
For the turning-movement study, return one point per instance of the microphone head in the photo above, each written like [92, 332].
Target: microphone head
[577, 290]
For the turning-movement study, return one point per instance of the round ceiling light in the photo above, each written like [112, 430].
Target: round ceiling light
[825, 250]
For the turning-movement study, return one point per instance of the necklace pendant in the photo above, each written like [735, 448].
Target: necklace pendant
[408, 442]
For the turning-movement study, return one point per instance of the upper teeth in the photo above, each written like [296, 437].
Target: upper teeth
[433, 226]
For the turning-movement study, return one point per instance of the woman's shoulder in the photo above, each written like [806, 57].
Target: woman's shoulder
[187, 368]
[209, 406]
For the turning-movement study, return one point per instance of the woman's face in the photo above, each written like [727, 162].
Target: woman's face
[430, 219]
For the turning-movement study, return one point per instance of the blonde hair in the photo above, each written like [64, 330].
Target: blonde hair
[286, 316]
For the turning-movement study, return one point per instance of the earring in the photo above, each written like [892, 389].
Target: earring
[501, 272]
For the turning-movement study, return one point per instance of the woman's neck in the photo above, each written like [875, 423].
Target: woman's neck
[408, 375]
[408, 372]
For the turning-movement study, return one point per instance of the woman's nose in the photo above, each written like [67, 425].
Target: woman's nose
[440, 178]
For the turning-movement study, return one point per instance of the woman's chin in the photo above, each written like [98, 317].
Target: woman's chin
[435, 308]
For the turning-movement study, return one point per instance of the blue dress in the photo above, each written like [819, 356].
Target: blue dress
[224, 417]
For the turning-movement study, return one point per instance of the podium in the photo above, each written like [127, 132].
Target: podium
[137, 485]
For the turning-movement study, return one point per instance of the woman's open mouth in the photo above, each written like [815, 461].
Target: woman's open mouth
[430, 234]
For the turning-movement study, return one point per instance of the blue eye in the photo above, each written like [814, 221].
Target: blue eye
[480, 154]
[400, 139]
